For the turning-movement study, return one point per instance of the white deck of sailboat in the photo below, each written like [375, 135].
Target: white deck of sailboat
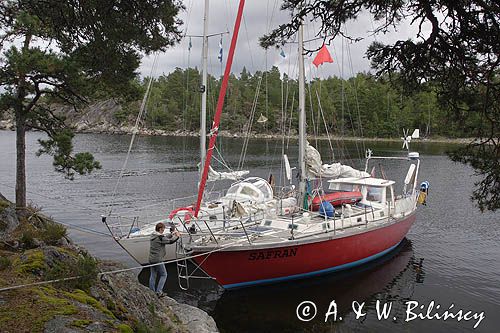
[277, 232]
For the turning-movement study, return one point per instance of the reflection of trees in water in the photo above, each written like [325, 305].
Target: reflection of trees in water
[397, 292]
[272, 308]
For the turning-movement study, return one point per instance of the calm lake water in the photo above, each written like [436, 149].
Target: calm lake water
[451, 254]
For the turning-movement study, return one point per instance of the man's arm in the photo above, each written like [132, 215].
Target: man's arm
[169, 239]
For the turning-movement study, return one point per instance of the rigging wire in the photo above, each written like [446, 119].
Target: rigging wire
[326, 127]
[341, 146]
[351, 67]
[291, 73]
[70, 225]
[134, 131]
[290, 122]
[269, 163]
[281, 181]
[346, 110]
[246, 139]
[186, 92]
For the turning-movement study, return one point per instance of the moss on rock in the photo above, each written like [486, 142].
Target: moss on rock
[82, 297]
[29, 310]
[80, 323]
[32, 262]
[112, 303]
[124, 328]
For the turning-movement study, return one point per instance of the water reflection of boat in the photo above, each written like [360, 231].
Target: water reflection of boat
[256, 309]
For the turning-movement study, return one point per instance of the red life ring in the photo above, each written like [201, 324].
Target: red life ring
[189, 213]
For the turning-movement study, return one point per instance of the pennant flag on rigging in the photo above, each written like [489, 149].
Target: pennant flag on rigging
[220, 50]
[282, 53]
[322, 56]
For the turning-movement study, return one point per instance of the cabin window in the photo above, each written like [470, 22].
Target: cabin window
[374, 194]
[359, 219]
[293, 226]
[344, 187]
[382, 214]
[268, 222]
[213, 217]
[249, 191]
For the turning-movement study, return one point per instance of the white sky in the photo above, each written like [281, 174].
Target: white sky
[260, 17]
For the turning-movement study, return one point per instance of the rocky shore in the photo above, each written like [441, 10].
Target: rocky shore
[100, 117]
[34, 249]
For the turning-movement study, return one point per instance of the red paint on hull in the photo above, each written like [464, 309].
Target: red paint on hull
[245, 266]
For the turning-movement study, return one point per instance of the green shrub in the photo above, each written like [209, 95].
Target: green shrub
[52, 232]
[28, 238]
[4, 263]
[85, 267]
[3, 205]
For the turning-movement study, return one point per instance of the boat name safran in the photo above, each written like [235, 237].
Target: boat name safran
[273, 254]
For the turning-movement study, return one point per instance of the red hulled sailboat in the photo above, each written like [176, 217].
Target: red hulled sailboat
[298, 243]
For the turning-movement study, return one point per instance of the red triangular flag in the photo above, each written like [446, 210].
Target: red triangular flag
[322, 56]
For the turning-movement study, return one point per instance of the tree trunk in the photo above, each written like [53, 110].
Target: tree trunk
[21, 135]
[20, 160]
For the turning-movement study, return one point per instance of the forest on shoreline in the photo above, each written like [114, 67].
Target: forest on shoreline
[361, 106]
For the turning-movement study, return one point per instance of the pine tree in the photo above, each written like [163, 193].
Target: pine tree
[63, 52]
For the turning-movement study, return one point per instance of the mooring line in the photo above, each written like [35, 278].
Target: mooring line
[69, 225]
[117, 270]
[57, 199]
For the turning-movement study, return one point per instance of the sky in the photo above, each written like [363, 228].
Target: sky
[260, 17]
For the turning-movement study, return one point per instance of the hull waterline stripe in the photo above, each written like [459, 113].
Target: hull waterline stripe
[320, 272]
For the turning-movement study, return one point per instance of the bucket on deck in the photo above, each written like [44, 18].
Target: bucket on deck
[326, 209]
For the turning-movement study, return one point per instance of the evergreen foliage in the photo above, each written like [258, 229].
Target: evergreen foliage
[372, 106]
[67, 51]
[459, 56]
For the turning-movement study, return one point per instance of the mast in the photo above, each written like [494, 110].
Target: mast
[220, 103]
[203, 113]
[342, 78]
[302, 118]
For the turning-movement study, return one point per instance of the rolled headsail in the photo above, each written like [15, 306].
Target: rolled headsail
[233, 175]
[316, 168]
